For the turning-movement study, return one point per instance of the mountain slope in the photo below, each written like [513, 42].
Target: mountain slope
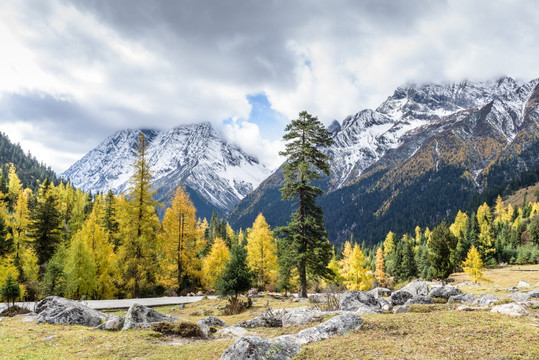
[216, 174]
[417, 159]
[30, 171]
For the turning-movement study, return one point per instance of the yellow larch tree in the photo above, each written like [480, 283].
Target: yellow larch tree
[389, 243]
[261, 252]
[181, 242]
[473, 265]
[379, 273]
[353, 269]
[214, 262]
[459, 226]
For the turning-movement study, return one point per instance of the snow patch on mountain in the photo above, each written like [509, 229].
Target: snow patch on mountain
[189, 155]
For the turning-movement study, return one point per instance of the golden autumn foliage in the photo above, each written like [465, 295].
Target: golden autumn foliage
[473, 265]
[353, 268]
[379, 273]
[181, 241]
[214, 262]
[262, 252]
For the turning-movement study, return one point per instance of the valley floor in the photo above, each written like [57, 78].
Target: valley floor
[435, 331]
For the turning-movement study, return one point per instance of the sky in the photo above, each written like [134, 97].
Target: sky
[74, 72]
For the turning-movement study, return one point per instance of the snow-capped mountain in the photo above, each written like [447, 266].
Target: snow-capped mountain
[194, 156]
[423, 154]
[365, 137]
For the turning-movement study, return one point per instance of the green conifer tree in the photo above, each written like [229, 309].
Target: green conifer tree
[305, 236]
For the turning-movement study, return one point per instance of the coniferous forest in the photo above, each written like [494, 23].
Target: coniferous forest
[58, 240]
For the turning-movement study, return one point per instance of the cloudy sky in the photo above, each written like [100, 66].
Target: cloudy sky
[73, 72]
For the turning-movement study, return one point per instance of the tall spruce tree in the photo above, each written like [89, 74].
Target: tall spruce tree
[236, 277]
[46, 225]
[305, 236]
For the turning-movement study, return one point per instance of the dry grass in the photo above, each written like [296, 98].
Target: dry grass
[500, 280]
[517, 198]
[433, 335]
[429, 332]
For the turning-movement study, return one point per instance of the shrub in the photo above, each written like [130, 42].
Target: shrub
[183, 328]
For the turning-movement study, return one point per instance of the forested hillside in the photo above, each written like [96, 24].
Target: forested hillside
[29, 170]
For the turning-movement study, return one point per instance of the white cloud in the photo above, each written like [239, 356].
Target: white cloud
[136, 63]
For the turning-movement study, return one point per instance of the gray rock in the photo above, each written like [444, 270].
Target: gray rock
[401, 309]
[352, 300]
[365, 310]
[268, 319]
[534, 293]
[523, 283]
[212, 321]
[445, 292]
[113, 323]
[417, 287]
[463, 298]
[513, 309]
[384, 304]
[140, 316]
[58, 310]
[337, 325]
[400, 297]
[486, 299]
[380, 291]
[256, 348]
[420, 299]
[301, 317]
[519, 296]
[512, 288]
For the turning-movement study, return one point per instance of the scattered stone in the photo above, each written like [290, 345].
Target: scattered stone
[208, 325]
[523, 283]
[463, 298]
[420, 299]
[384, 304]
[365, 310]
[380, 291]
[301, 316]
[113, 323]
[471, 308]
[534, 293]
[467, 284]
[212, 321]
[337, 325]
[267, 319]
[519, 296]
[139, 316]
[300, 299]
[445, 292]
[486, 299]
[417, 287]
[58, 310]
[512, 289]
[401, 309]
[1, 319]
[200, 293]
[513, 309]
[352, 300]
[400, 297]
[252, 347]
[253, 293]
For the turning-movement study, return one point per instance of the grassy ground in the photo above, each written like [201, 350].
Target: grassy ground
[518, 197]
[430, 332]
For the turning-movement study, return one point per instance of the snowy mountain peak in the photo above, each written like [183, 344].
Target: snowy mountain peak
[194, 156]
